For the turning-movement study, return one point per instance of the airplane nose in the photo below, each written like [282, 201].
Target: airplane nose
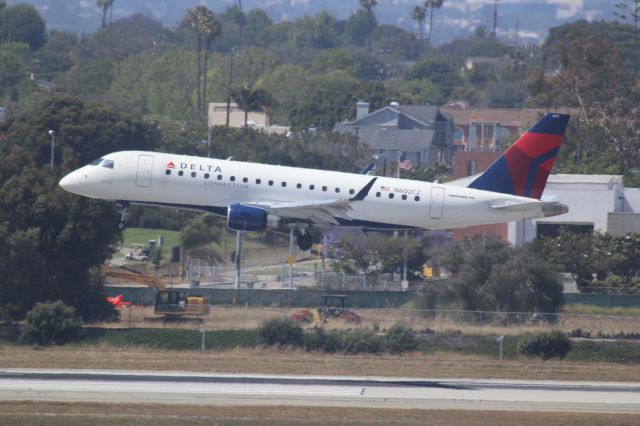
[71, 182]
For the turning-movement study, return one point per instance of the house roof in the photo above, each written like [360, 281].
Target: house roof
[425, 114]
[383, 138]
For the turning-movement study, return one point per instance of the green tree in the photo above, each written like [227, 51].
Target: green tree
[23, 24]
[14, 57]
[51, 323]
[252, 99]
[52, 243]
[440, 72]
[197, 237]
[489, 275]
[56, 55]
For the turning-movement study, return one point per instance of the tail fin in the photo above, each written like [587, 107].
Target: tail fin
[524, 168]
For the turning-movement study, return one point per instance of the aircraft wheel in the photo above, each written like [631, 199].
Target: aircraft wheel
[304, 242]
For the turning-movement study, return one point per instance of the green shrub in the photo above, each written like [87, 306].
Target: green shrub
[280, 331]
[400, 338]
[547, 344]
[320, 340]
[51, 323]
[360, 341]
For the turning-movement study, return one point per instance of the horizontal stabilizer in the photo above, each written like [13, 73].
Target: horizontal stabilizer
[548, 208]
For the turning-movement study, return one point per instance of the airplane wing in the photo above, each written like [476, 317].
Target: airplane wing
[321, 212]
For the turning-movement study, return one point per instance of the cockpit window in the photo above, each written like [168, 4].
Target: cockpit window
[108, 164]
[96, 162]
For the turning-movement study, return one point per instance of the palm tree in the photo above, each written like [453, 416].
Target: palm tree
[432, 4]
[419, 14]
[203, 22]
[252, 99]
[104, 5]
[212, 29]
[197, 236]
[368, 5]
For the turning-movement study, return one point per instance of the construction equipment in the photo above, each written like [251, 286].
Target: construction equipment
[171, 303]
[333, 307]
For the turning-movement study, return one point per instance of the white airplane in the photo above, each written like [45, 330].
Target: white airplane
[254, 197]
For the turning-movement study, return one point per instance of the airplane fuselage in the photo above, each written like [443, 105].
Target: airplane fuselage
[213, 185]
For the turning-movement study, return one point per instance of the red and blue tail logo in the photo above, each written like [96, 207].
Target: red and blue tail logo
[524, 168]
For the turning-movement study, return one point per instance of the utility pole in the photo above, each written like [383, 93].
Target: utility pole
[229, 87]
[52, 133]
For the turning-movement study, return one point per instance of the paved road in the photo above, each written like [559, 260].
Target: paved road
[378, 392]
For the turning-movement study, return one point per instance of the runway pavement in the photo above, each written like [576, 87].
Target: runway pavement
[378, 392]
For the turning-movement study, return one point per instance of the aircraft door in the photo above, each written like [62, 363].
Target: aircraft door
[145, 165]
[437, 203]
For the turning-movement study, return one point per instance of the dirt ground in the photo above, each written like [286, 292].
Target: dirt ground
[65, 414]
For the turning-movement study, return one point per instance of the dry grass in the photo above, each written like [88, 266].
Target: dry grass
[226, 318]
[287, 361]
[50, 413]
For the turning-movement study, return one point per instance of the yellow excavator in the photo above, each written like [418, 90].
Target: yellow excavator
[171, 303]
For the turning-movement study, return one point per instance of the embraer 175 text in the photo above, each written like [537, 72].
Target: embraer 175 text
[255, 197]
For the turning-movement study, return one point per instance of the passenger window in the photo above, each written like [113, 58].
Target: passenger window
[258, 181]
[180, 173]
[378, 194]
[206, 175]
[270, 183]
[404, 197]
[245, 180]
[312, 187]
[337, 190]
[232, 178]
[167, 172]
[324, 188]
[299, 186]
[417, 198]
[219, 177]
[193, 174]
[391, 196]
[351, 191]
[283, 184]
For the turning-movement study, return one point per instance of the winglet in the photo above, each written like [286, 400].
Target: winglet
[364, 191]
[367, 169]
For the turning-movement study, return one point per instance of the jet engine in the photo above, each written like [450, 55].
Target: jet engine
[247, 218]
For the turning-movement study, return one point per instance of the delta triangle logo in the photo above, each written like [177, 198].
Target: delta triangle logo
[171, 165]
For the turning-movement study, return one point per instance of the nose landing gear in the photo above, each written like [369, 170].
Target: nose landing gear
[124, 213]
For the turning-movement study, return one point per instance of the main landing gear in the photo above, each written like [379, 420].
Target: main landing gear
[124, 213]
[304, 241]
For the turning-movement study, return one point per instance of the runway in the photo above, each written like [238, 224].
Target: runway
[377, 392]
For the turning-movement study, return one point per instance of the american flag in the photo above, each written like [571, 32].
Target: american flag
[406, 165]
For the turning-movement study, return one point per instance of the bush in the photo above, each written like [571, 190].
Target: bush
[280, 331]
[361, 341]
[546, 344]
[400, 339]
[322, 341]
[51, 323]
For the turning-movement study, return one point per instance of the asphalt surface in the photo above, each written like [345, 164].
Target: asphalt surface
[378, 392]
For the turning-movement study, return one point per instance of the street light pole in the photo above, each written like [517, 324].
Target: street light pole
[53, 142]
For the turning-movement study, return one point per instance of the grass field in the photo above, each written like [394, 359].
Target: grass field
[63, 414]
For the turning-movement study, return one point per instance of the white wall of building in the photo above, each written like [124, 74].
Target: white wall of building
[591, 199]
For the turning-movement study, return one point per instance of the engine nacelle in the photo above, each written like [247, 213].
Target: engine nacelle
[247, 218]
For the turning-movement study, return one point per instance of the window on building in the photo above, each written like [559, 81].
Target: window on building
[471, 167]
